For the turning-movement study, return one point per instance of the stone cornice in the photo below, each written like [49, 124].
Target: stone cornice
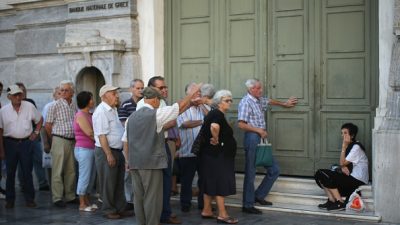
[33, 4]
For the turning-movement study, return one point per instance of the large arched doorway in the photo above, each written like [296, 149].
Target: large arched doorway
[90, 79]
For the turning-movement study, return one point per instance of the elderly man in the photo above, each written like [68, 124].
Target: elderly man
[167, 216]
[148, 156]
[189, 123]
[251, 117]
[110, 161]
[37, 152]
[59, 128]
[16, 141]
[124, 111]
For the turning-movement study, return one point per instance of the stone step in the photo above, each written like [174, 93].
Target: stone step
[302, 195]
[303, 191]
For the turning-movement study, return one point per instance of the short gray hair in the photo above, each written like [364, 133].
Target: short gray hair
[219, 95]
[207, 90]
[67, 82]
[133, 82]
[251, 82]
[189, 86]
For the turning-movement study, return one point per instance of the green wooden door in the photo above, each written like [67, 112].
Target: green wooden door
[319, 51]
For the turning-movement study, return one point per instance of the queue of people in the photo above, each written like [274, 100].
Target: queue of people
[125, 152]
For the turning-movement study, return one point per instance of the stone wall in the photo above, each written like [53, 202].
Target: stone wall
[44, 42]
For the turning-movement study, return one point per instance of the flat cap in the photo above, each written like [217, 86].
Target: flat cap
[149, 93]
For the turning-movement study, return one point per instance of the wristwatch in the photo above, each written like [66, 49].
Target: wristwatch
[36, 132]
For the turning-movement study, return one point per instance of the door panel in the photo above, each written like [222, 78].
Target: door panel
[291, 131]
[316, 50]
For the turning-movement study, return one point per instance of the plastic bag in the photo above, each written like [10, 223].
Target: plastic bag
[355, 202]
[46, 160]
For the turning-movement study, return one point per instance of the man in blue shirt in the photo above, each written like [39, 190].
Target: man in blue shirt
[251, 119]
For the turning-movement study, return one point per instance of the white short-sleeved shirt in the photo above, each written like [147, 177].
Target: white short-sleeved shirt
[163, 116]
[18, 125]
[360, 163]
[105, 121]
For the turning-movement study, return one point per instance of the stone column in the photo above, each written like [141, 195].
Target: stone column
[386, 134]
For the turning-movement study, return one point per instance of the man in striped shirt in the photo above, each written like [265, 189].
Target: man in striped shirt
[251, 119]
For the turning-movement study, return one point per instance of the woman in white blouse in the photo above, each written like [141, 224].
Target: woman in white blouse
[352, 172]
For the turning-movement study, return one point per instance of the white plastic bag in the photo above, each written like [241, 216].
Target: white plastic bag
[46, 160]
[355, 202]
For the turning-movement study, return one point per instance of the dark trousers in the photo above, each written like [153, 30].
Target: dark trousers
[111, 180]
[19, 152]
[188, 167]
[167, 182]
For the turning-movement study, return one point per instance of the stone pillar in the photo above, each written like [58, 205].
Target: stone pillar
[386, 134]
[151, 30]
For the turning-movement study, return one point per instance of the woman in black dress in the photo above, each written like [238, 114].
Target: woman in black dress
[217, 168]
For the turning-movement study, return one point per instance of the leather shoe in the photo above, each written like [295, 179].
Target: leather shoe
[44, 188]
[60, 204]
[262, 201]
[172, 220]
[31, 204]
[113, 216]
[251, 210]
[126, 213]
[9, 205]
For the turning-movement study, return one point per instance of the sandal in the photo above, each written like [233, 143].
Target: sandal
[212, 216]
[86, 209]
[227, 220]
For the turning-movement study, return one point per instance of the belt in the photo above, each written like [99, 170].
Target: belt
[66, 138]
[17, 139]
[116, 149]
[170, 139]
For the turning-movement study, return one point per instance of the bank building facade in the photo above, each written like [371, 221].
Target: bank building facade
[341, 58]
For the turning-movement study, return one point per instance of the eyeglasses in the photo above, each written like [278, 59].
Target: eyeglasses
[64, 90]
[228, 100]
[162, 87]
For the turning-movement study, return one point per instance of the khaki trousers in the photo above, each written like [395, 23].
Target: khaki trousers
[63, 169]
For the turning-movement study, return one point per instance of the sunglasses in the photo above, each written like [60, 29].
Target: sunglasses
[162, 87]
[228, 100]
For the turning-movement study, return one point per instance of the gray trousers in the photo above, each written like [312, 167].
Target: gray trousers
[148, 192]
[111, 180]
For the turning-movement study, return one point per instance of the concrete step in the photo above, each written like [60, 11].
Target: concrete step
[302, 195]
[302, 191]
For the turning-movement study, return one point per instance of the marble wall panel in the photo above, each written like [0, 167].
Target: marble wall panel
[40, 72]
[38, 40]
[54, 14]
[7, 45]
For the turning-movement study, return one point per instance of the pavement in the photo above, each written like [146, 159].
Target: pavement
[46, 213]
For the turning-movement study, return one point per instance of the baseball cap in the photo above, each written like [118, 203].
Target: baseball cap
[14, 89]
[107, 88]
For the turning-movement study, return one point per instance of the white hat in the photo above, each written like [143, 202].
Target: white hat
[107, 88]
[14, 89]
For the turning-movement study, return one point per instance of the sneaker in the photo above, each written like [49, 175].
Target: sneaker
[336, 206]
[325, 205]
[60, 204]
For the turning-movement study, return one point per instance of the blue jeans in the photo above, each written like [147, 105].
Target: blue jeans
[188, 167]
[37, 150]
[19, 152]
[87, 170]
[251, 140]
[167, 182]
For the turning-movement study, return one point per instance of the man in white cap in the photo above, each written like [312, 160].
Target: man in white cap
[59, 129]
[16, 136]
[110, 161]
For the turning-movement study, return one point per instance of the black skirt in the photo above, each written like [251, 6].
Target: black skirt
[217, 174]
